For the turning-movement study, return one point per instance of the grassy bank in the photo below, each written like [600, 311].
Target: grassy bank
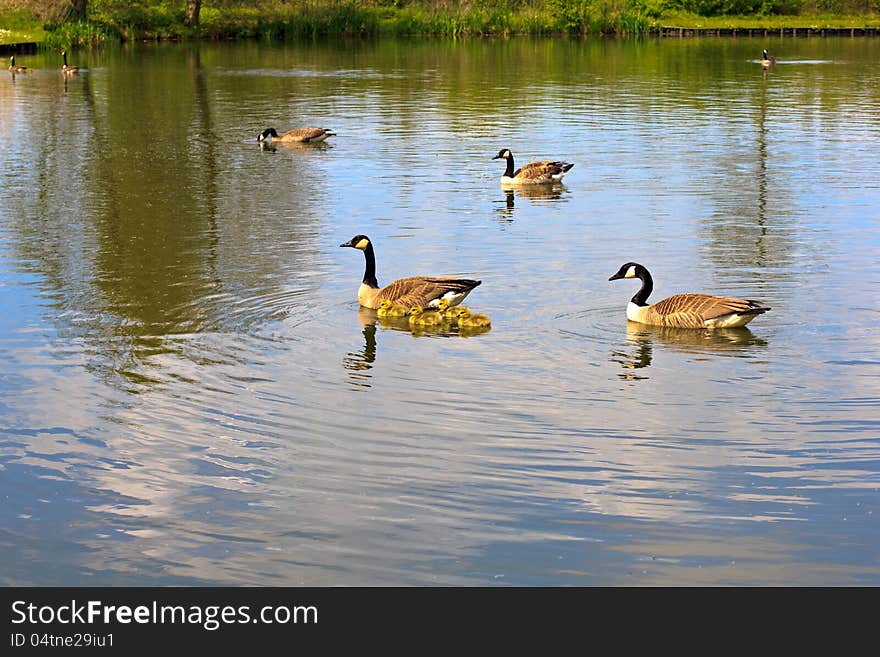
[118, 20]
[21, 27]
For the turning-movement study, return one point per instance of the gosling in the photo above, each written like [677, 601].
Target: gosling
[449, 312]
[418, 317]
[467, 319]
[390, 309]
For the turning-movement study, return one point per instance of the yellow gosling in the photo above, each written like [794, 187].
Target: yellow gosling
[449, 312]
[467, 319]
[418, 317]
[390, 309]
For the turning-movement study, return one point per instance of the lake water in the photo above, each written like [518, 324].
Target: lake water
[190, 394]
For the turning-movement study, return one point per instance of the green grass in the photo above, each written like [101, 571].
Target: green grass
[78, 34]
[20, 27]
[816, 21]
[116, 20]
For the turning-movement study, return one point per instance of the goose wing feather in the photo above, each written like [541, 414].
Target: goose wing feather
[304, 134]
[540, 170]
[422, 290]
[693, 310]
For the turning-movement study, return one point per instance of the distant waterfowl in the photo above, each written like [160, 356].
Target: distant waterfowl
[685, 310]
[15, 68]
[295, 136]
[65, 69]
[767, 60]
[423, 291]
[418, 317]
[467, 319]
[533, 173]
[390, 309]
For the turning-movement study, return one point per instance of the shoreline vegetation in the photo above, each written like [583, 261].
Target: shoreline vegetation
[87, 23]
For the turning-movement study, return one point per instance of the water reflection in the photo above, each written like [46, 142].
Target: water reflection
[473, 331]
[359, 363]
[751, 226]
[762, 171]
[293, 146]
[637, 356]
[537, 194]
[540, 192]
[173, 323]
[643, 340]
[505, 212]
[152, 237]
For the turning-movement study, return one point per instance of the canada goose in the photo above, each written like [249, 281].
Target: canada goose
[390, 309]
[14, 68]
[466, 319]
[533, 173]
[65, 69]
[418, 317]
[685, 310]
[447, 311]
[424, 291]
[297, 135]
[767, 60]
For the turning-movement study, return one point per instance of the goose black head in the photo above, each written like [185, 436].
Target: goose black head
[629, 270]
[268, 132]
[503, 154]
[358, 242]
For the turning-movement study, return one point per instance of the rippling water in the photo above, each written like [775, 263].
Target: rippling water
[190, 394]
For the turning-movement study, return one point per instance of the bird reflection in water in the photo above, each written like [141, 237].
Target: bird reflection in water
[638, 359]
[535, 193]
[471, 331]
[358, 364]
[295, 146]
[308, 147]
[643, 338]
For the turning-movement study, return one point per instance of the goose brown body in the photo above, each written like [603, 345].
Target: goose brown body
[697, 311]
[65, 69]
[533, 173]
[297, 135]
[685, 310]
[15, 68]
[422, 291]
[767, 60]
